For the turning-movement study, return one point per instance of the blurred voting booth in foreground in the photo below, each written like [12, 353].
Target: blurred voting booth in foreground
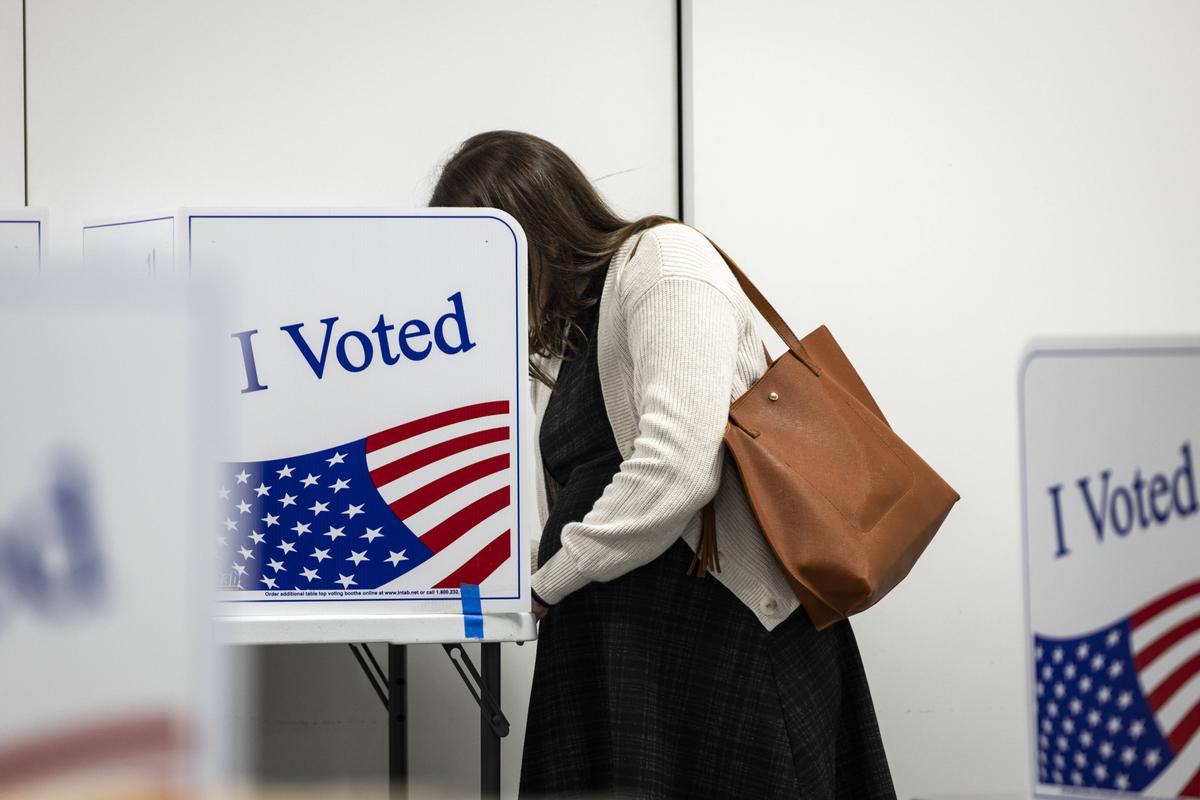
[1109, 437]
[109, 679]
[22, 234]
[377, 488]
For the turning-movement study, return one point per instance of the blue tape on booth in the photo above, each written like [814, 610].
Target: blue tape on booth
[472, 610]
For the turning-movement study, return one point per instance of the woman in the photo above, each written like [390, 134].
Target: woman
[650, 682]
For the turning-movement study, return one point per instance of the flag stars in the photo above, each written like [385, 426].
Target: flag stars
[271, 519]
[286, 472]
[1114, 636]
[245, 553]
[242, 476]
[310, 480]
[230, 525]
[240, 569]
[262, 489]
[395, 558]
[1069, 671]
[1121, 781]
[1137, 728]
[1100, 772]
[333, 533]
[1115, 669]
[301, 528]
[319, 554]
[1128, 755]
[346, 581]
[1057, 655]
[286, 547]
[358, 558]
[1097, 662]
[1085, 684]
[353, 511]
[287, 500]
[1103, 695]
[310, 574]
[1114, 725]
[224, 493]
[318, 507]
[372, 534]
[337, 458]
[1076, 705]
[1093, 718]
[339, 484]
[270, 582]
[243, 507]
[1085, 739]
[276, 565]
[257, 537]
[1152, 758]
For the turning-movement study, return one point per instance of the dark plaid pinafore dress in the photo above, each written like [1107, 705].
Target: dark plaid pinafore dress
[658, 684]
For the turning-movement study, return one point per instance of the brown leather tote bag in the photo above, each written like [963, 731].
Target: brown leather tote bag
[845, 504]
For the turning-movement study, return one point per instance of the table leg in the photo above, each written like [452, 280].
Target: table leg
[397, 722]
[489, 740]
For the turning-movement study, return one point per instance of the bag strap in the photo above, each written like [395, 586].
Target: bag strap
[767, 310]
[760, 302]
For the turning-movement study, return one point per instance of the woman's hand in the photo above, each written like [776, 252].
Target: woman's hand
[539, 610]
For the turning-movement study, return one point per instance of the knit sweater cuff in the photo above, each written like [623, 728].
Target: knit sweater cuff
[558, 577]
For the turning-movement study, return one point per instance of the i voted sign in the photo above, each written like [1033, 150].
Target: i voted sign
[1110, 432]
[377, 363]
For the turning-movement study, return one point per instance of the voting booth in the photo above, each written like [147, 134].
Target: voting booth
[22, 237]
[99, 511]
[1109, 438]
[378, 487]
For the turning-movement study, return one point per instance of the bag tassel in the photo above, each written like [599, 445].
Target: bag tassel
[706, 556]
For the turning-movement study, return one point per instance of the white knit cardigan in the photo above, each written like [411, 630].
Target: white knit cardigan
[677, 343]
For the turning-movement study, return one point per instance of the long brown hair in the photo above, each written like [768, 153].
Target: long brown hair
[570, 230]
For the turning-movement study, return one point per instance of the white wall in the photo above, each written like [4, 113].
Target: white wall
[938, 181]
[12, 139]
[138, 104]
[143, 105]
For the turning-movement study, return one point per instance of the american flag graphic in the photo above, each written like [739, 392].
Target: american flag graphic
[1119, 708]
[417, 506]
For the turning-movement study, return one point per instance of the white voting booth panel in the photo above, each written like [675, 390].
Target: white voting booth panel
[377, 361]
[108, 670]
[132, 247]
[1109, 436]
[22, 234]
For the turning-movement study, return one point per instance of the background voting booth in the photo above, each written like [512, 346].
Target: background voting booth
[1109, 444]
[22, 238]
[377, 490]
